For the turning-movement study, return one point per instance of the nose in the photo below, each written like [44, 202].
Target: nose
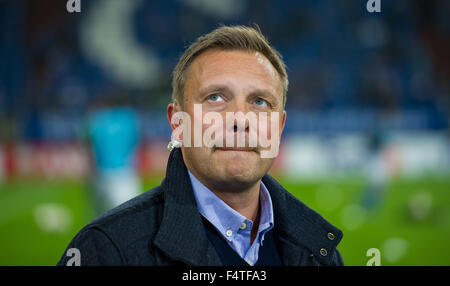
[240, 110]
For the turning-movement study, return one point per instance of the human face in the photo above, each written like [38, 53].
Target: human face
[231, 81]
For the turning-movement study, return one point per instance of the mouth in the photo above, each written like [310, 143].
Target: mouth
[227, 149]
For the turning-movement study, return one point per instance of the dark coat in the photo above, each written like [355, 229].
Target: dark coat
[163, 227]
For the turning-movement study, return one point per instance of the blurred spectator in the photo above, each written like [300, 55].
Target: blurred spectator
[339, 56]
[113, 134]
[342, 61]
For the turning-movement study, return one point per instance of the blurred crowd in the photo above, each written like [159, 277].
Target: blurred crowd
[344, 64]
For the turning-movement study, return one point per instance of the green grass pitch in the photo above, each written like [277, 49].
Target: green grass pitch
[410, 225]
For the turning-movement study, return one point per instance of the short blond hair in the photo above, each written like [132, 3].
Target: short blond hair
[227, 38]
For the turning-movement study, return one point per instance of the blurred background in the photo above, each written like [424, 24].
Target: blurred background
[366, 144]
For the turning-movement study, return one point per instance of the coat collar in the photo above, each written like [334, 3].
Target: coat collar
[182, 236]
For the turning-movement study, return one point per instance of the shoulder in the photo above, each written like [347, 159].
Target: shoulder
[108, 238]
[137, 211]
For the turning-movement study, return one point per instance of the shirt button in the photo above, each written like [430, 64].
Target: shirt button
[330, 236]
[248, 262]
[243, 225]
[229, 233]
[323, 252]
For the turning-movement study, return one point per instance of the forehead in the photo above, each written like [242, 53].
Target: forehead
[244, 67]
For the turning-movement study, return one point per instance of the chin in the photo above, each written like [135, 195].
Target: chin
[239, 165]
[242, 172]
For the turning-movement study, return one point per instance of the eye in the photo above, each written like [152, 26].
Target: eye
[215, 97]
[261, 102]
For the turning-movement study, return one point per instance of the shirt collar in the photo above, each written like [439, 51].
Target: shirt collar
[222, 216]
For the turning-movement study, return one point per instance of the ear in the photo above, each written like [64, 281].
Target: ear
[172, 108]
[283, 121]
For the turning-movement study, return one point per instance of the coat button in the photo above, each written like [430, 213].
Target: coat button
[330, 236]
[323, 252]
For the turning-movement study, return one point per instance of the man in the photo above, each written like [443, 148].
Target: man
[217, 205]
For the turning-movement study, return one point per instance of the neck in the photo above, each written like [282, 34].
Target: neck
[243, 199]
[245, 202]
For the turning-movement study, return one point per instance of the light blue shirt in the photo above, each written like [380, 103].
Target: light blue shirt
[114, 135]
[234, 227]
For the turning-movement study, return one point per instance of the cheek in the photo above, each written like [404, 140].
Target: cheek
[275, 125]
[211, 121]
[197, 158]
[267, 125]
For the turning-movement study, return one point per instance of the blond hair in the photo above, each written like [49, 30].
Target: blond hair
[227, 38]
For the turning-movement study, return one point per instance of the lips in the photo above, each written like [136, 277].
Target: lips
[236, 149]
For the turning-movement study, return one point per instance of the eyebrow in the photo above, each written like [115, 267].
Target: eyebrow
[214, 87]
